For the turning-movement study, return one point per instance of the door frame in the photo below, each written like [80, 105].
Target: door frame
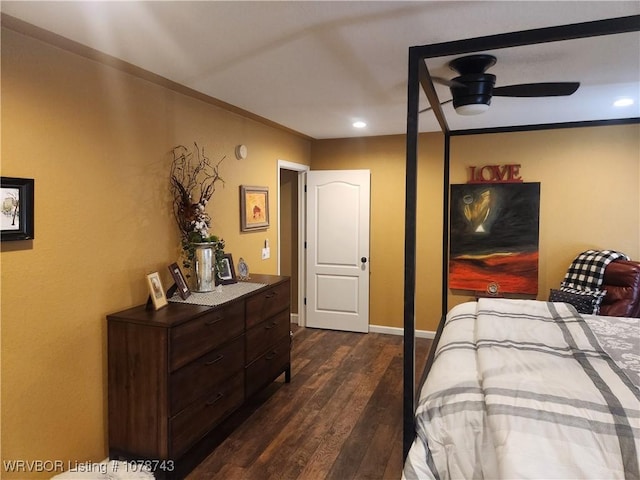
[302, 219]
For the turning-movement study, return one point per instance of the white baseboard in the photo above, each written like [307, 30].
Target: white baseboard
[400, 331]
[383, 329]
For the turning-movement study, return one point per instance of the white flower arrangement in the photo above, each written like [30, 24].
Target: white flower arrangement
[194, 176]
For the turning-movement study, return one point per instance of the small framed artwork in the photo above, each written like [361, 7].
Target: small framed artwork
[243, 270]
[180, 283]
[16, 203]
[156, 292]
[226, 271]
[254, 208]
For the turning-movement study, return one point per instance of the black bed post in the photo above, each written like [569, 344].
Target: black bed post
[410, 252]
[445, 224]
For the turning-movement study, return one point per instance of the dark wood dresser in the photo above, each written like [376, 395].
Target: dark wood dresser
[176, 374]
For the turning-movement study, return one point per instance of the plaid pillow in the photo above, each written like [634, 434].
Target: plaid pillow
[584, 301]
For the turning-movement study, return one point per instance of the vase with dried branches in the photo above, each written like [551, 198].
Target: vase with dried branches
[193, 181]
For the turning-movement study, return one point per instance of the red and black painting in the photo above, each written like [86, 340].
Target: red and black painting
[494, 238]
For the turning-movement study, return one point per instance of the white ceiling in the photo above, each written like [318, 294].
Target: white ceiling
[317, 66]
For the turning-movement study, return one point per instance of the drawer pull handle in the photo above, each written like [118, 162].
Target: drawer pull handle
[271, 356]
[270, 295]
[214, 400]
[215, 320]
[215, 360]
[270, 326]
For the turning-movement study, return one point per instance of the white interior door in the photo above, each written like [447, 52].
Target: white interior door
[338, 249]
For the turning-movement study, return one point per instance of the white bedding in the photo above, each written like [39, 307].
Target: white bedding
[522, 389]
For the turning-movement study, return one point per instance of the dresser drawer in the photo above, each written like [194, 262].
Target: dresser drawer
[266, 334]
[194, 379]
[195, 337]
[192, 423]
[267, 303]
[267, 367]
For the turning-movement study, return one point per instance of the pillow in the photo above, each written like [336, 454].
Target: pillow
[584, 301]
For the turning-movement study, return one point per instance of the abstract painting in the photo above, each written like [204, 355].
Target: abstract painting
[494, 238]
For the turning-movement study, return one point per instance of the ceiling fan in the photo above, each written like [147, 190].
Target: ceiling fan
[472, 89]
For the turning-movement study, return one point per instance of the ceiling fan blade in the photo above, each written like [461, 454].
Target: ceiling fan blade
[429, 108]
[557, 89]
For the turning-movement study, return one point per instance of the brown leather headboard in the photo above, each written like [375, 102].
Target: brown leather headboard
[622, 283]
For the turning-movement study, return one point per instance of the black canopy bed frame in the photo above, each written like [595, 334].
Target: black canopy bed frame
[419, 77]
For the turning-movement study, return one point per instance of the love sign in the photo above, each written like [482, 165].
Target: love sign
[509, 173]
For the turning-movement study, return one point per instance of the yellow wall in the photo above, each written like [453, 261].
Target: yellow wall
[385, 157]
[589, 188]
[97, 141]
[590, 184]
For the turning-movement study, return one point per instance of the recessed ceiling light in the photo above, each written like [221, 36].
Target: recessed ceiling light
[623, 102]
[359, 124]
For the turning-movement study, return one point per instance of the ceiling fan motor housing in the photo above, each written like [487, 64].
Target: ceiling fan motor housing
[472, 89]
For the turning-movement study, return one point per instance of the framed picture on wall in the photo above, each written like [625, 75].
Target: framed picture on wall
[254, 208]
[156, 292]
[494, 238]
[16, 203]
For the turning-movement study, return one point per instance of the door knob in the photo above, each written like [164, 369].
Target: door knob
[363, 259]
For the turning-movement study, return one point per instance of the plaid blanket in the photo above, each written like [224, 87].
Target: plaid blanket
[522, 389]
[586, 272]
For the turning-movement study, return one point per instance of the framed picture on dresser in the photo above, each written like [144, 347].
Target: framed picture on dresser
[181, 287]
[156, 292]
[226, 273]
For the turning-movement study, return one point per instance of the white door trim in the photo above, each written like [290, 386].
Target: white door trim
[302, 208]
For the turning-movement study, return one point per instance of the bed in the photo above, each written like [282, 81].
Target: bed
[516, 388]
[536, 391]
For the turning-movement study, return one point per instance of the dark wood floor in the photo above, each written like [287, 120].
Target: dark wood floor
[339, 418]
